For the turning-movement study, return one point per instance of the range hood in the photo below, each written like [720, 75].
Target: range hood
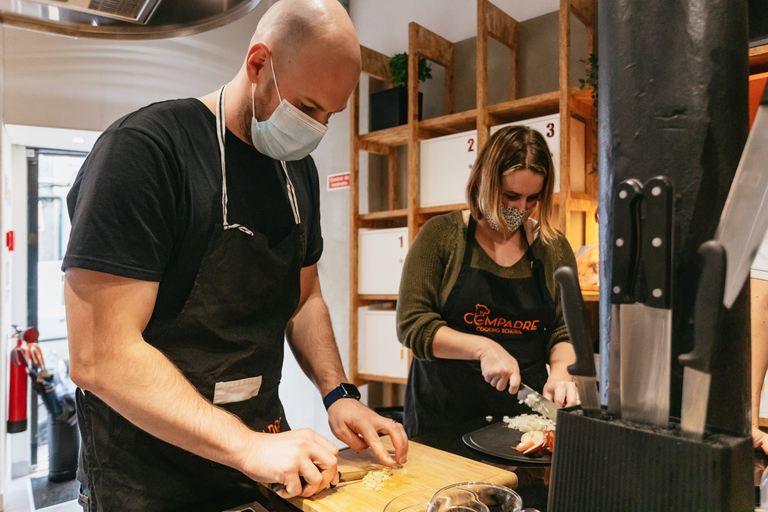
[123, 19]
[135, 11]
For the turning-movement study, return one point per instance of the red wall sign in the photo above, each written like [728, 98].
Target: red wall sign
[337, 181]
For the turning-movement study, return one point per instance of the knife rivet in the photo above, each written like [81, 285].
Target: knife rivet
[657, 292]
[656, 242]
[617, 289]
[656, 191]
[619, 242]
[622, 194]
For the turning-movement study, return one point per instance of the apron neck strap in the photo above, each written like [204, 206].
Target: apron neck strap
[221, 130]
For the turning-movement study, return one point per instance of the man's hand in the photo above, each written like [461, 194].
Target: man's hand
[499, 368]
[562, 392]
[359, 427]
[287, 457]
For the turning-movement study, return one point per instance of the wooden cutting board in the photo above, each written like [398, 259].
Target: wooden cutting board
[426, 468]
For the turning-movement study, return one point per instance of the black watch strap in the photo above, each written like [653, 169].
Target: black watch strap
[344, 390]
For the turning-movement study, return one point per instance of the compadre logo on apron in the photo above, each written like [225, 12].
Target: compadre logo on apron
[484, 321]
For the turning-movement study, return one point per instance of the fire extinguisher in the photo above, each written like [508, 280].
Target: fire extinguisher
[17, 404]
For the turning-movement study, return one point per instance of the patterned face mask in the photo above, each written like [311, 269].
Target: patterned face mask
[512, 216]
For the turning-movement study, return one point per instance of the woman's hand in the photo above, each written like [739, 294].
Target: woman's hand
[759, 439]
[562, 392]
[499, 368]
[560, 387]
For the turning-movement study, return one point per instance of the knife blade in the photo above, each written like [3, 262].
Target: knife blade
[539, 404]
[646, 370]
[697, 374]
[352, 476]
[583, 370]
[744, 220]
[347, 476]
[623, 272]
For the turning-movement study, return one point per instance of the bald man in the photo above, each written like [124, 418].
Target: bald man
[193, 255]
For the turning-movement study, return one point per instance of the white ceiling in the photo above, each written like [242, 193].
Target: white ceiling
[51, 138]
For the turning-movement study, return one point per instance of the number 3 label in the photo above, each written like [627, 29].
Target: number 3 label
[550, 129]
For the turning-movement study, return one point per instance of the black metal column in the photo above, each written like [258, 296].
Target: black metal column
[674, 101]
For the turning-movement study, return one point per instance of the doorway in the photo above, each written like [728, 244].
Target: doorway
[50, 174]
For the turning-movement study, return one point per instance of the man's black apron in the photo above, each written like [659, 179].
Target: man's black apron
[515, 313]
[228, 341]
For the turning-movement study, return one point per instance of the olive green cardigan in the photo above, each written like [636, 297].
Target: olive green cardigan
[432, 266]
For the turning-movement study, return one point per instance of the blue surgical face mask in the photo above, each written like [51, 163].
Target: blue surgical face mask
[288, 134]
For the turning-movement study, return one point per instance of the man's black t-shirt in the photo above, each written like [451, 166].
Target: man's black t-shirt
[148, 197]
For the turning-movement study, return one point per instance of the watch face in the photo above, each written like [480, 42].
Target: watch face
[349, 390]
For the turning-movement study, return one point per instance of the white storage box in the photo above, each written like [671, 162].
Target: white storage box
[379, 351]
[381, 256]
[549, 127]
[445, 163]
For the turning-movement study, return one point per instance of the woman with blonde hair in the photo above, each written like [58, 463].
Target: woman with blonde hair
[478, 305]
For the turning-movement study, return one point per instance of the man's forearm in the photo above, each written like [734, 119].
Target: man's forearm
[310, 336]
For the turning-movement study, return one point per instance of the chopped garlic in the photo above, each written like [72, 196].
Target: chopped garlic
[374, 479]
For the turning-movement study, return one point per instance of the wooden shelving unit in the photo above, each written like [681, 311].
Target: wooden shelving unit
[567, 101]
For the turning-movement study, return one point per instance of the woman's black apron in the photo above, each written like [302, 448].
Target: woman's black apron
[228, 341]
[515, 313]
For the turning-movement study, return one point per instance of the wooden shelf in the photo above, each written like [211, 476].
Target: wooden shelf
[378, 298]
[367, 377]
[443, 208]
[576, 143]
[500, 113]
[758, 59]
[391, 137]
[389, 214]
[525, 108]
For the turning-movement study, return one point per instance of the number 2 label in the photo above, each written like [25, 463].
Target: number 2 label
[471, 143]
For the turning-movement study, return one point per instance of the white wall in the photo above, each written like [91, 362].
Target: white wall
[383, 25]
[84, 83]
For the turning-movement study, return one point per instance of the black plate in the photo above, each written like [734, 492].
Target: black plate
[499, 440]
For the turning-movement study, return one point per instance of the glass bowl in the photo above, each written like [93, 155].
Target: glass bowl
[475, 497]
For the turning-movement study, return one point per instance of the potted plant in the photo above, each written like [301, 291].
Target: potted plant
[390, 107]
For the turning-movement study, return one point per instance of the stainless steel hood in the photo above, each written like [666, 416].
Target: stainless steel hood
[123, 19]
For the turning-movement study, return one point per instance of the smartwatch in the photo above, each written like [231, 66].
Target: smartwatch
[345, 390]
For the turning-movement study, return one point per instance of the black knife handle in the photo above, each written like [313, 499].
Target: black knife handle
[709, 297]
[624, 221]
[576, 322]
[657, 227]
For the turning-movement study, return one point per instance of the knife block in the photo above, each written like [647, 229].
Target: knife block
[609, 465]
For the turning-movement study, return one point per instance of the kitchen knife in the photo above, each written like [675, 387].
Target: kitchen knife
[625, 256]
[647, 327]
[539, 404]
[583, 370]
[624, 222]
[347, 476]
[744, 220]
[697, 374]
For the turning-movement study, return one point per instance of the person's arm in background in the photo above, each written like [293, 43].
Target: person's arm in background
[310, 336]
[106, 316]
[759, 314]
[559, 387]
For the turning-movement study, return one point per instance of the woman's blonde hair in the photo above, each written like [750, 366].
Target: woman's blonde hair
[511, 149]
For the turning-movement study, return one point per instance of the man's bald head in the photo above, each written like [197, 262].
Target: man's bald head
[290, 26]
